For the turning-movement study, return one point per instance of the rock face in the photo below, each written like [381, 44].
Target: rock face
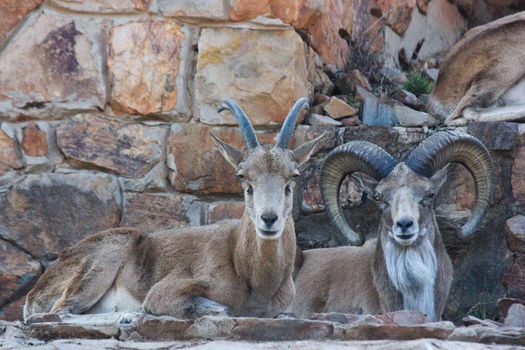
[61, 58]
[129, 150]
[144, 61]
[13, 11]
[47, 213]
[229, 62]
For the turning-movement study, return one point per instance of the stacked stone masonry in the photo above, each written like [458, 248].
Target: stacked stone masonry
[106, 109]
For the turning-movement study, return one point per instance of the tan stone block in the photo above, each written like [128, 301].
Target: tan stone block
[143, 63]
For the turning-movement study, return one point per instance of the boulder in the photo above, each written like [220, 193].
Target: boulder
[375, 113]
[10, 155]
[410, 117]
[144, 62]
[425, 35]
[191, 10]
[422, 5]
[103, 6]
[320, 21]
[34, 142]
[311, 198]
[409, 99]
[518, 175]
[130, 150]
[350, 121]
[162, 327]
[321, 120]
[515, 316]
[51, 330]
[496, 136]
[243, 64]
[18, 273]
[347, 82]
[14, 11]
[266, 329]
[438, 330]
[46, 213]
[514, 279]
[155, 212]
[515, 233]
[397, 13]
[337, 108]
[503, 305]
[61, 57]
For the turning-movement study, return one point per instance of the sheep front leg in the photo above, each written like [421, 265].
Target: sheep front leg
[282, 298]
[181, 298]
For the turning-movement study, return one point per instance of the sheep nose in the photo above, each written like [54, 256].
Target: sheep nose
[404, 224]
[269, 219]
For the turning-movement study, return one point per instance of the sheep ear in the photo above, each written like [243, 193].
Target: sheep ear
[230, 153]
[305, 151]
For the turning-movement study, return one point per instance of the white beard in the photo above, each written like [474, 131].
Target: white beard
[412, 271]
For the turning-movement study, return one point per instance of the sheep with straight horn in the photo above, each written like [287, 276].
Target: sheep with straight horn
[238, 267]
[407, 266]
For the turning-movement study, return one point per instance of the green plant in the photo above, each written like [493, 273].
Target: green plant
[418, 84]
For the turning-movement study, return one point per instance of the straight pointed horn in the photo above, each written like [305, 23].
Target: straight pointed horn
[289, 123]
[457, 147]
[248, 133]
[344, 160]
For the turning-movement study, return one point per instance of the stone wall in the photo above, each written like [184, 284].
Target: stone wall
[106, 109]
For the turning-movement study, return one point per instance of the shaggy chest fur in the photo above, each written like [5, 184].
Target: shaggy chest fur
[412, 271]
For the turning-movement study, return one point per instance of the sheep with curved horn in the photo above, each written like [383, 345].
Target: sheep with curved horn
[239, 267]
[407, 266]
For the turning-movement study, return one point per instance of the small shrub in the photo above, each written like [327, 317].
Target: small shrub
[418, 84]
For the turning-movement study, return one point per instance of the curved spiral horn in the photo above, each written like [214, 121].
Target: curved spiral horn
[353, 156]
[286, 132]
[454, 146]
[248, 133]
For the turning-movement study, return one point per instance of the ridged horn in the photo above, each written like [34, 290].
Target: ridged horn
[447, 147]
[288, 127]
[346, 159]
[248, 133]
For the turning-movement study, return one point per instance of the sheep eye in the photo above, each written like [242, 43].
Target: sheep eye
[249, 190]
[377, 197]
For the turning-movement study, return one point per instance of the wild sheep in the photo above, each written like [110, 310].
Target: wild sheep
[238, 267]
[407, 267]
[483, 75]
